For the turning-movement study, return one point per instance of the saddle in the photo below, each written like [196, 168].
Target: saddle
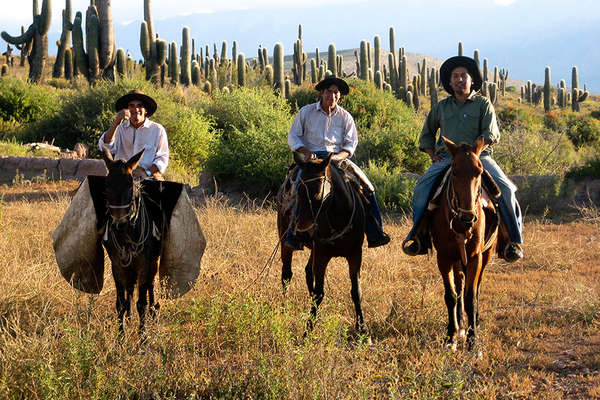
[489, 198]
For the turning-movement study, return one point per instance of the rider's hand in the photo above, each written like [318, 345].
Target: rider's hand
[122, 115]
[308, 155]
[434, 156]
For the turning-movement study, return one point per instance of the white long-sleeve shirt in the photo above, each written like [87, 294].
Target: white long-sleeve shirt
[316, 130]
[129, 141]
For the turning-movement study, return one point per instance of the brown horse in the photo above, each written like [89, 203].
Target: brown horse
[328, 212]
[132, 247]
[460, 226]
[138, 223]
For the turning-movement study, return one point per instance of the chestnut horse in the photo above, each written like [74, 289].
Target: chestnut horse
[460, 226]
[330, 216]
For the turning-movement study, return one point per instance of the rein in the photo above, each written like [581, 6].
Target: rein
[335, 235]
[138, 222]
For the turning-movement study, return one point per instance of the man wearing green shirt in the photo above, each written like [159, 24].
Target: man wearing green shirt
[463, 117]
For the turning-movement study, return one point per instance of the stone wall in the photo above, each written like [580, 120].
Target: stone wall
[16, 168]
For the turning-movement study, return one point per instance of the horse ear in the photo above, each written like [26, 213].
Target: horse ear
[108, 158]
[133, 162]
[450, 145]
[478, 145]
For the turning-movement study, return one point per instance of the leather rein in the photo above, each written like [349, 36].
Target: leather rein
[324, 196]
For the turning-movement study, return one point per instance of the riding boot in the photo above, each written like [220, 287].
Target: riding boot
[419, 242]
[505, 248]
[374, 227]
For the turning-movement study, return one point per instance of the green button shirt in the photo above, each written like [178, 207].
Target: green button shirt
[461, 123]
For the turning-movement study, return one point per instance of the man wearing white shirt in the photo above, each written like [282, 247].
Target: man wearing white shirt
[325, 127]
[125, 139]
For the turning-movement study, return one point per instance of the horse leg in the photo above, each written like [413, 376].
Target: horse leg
[319, 265]
[286, 267]
[451, 299]
[471, 299]
[152, 306]
[354, 262]
[459, 283]
[120, 305]
[308, 273]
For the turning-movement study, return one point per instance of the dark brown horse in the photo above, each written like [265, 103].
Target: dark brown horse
[138, 223]
[129, 239]
[329, 214]
[464, 231]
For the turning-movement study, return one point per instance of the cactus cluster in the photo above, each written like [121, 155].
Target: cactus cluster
[577, 95]
[98, 58]
[154, 49]
[63, 42]
[299, 60]
[34, 40]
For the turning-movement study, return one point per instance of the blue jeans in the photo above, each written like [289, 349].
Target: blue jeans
[508, 204]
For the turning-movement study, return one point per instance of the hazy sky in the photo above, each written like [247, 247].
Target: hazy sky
[19, 12]
[524, 35]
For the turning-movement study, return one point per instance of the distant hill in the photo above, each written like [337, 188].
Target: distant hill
[525, 46]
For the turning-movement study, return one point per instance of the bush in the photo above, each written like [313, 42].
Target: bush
[583, 130]
[86, 113]
[21, 103]
[251, 146]
[387, 129]
[523, 151]
[302, 96]
[591, 170]
[393, 188]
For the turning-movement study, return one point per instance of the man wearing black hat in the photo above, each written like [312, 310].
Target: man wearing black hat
[125, 139]
[322, 128]
[463, 117]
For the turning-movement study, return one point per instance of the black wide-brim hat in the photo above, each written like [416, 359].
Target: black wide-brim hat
[333, 80]
[460, 61]
[148, 101]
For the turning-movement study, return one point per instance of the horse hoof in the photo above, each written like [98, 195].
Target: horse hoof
[452, 346]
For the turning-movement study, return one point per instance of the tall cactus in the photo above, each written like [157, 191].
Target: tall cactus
[547, 92]
[331, 59]
[63, 43]
[99, 39]
[460, 48]
[186, 57]
[377, 53]
[364, 61]
[299, 59]
[433, 95]
[278, 77]
[392, 41]
[148, 44]
[68, 64]
[241, 70]
[121, 63]
[577, 95]
[476, 57]
[35, 38]
[173, 64]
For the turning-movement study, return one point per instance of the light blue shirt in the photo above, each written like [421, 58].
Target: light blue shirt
[316, 130]
[128, 141]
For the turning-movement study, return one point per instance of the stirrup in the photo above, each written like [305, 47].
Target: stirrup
[408, 250]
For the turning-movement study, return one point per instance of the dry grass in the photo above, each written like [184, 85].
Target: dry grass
[235, 336]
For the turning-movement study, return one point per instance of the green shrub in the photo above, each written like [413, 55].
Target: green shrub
[591, 170]
[21, 103]
[583, 130]
[394, 189]
[251, 146]
[302, 96]
[388, 131]
[533, 151]
[86, 113]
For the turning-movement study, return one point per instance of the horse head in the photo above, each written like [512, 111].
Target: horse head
[464, 191]
[313, 188]
[119, 186]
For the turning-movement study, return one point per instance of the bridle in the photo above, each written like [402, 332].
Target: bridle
[456, 211]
